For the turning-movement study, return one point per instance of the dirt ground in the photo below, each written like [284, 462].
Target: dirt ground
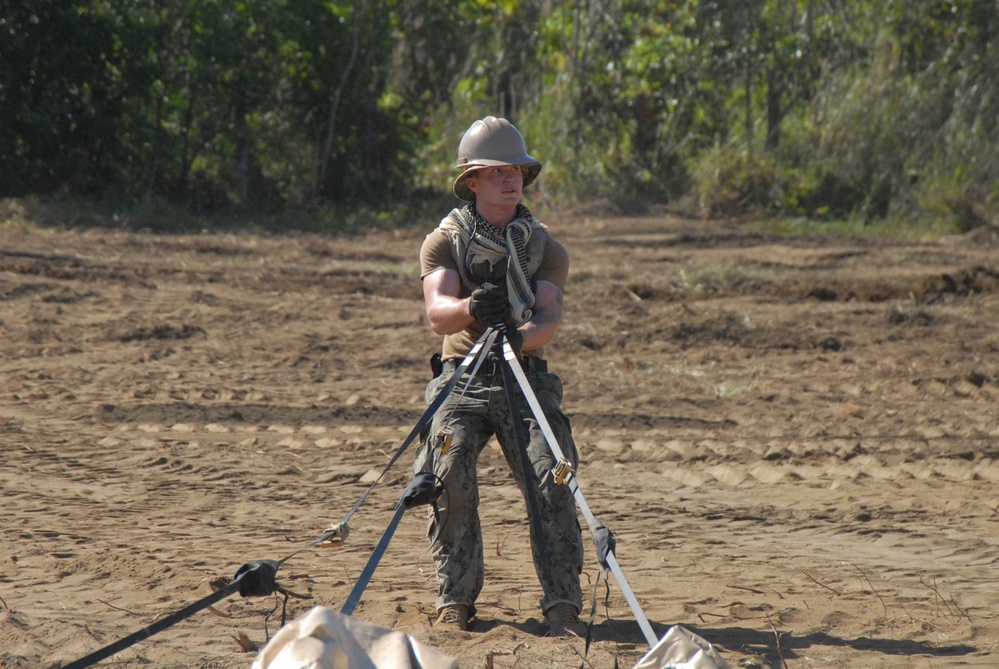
[794, 442]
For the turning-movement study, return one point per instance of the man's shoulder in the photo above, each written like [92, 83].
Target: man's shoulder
[435, 241]
[554, 247]
[437, 252]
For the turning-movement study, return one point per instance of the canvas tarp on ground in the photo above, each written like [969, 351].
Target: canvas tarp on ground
[680, 648]
[326, 639]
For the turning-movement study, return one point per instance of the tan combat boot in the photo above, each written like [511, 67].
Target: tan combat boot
[454, 617]
[563, 620]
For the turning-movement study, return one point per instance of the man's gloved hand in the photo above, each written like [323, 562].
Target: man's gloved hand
[514, 336]
[488, 305]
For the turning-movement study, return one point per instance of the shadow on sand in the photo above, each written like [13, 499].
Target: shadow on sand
[763, 643]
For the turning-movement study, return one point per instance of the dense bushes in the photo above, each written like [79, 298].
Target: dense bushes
[818, 108]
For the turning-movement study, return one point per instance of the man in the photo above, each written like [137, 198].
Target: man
[491, 263]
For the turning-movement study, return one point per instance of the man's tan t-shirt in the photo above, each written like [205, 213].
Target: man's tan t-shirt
[438, 253]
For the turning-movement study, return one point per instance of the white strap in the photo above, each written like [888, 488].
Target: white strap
[577, 493]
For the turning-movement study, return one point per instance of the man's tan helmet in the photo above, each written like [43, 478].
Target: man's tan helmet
[492, 142]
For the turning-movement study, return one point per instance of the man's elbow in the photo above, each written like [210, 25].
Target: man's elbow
[439, 324]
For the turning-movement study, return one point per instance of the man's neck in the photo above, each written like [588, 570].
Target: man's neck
[498, 216]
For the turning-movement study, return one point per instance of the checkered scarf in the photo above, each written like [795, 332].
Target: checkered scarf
[484, 242]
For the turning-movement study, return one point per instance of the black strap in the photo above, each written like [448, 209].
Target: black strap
[159, 625]
[602, 574]
[423, 489]
[258, 578]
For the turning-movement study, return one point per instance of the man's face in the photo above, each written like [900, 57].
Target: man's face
[497, 186]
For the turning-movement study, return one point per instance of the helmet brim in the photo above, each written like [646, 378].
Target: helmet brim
[532, 168]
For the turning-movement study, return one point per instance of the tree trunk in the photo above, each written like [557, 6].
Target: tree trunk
[324, 157]
[242, 163]
[749, 107]
[773, 109]
[186, 152]
[152, 171]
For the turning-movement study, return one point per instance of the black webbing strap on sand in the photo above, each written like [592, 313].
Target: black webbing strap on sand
[257, 578]
[156, 627]
[423, 489]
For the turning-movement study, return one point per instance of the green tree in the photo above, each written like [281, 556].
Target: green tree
[823, 107]
[69, 73]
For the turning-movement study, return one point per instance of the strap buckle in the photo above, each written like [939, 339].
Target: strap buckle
[335, 535]
[562, 472]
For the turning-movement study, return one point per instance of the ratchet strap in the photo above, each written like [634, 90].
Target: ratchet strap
[563, 473]
[258, 578]
[337, 533]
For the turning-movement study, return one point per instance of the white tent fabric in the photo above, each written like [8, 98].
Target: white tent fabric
[682, 649]
[325, 639]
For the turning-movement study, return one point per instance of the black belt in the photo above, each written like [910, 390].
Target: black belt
[529, 363]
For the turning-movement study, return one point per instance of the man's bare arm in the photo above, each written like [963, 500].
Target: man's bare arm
[446, 312]
[546, 316]
[449, 314]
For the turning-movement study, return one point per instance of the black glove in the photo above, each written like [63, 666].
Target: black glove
[514, 336]
[488, 305]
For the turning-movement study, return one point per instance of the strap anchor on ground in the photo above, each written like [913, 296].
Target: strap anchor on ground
[253, 579]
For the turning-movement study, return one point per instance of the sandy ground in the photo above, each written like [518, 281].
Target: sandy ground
[794, 441]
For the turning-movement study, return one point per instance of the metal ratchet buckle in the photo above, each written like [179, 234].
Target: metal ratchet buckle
[335, 535]
[445, 435]
[562, 472]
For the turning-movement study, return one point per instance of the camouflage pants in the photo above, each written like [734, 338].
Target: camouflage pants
[460, 430]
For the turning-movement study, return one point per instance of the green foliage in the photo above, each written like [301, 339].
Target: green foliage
[731, 182]
[68, 73]
[832, 110]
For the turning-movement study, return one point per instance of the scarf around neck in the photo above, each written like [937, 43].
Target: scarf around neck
[484, 242]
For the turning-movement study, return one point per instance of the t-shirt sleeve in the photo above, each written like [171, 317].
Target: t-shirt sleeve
[554, 265]
[436, 253]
